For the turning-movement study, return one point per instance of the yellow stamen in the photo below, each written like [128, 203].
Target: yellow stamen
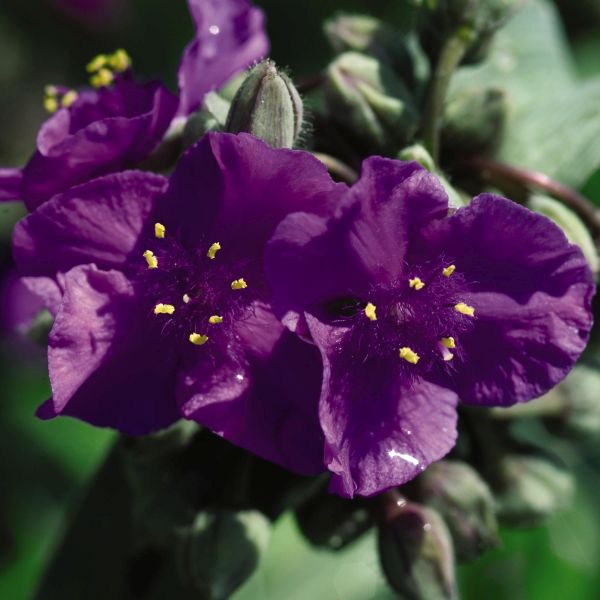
[370, 311]
[212, 251]
[239, 284]
[50, 90]
[97, 63]
[215, 320]
[448, 342]
[51, 104]
[69, 98]
[464, 309]
[120, 60]
[198, 339]
[409, 355]
[449, 270]
[447, 355]
[164, 309]
[186, 299]
[159, 230]
[417, 283]
[151, 259]
[102, 78]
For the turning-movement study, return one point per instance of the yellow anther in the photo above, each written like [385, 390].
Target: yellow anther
[370, 311]
[449, 270]
[159, 230]
[51, 104]
[164, 309]
[119, 60]
[464, 309]
[212, 251]
[186, 299]
[215, 320]
[239, 284]
[69, 98]
[97, 63]
[409, 355]
[151, 259]
[198, 339]
[103, 78]
[50, 90]
[417, 283]
[448, 342]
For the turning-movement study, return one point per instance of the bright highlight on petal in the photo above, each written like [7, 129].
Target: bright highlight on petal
[164, 309]
[417, 283]
[212, 251]
[448, 342]
[239, 284]
[449, 270]
[215, 320]
[198, 339]
[159, 230]
[464, 309]
[409, 355]
[370, 311]
[151, 259]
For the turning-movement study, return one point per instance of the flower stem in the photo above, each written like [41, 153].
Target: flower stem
[337, 168]
[451, 54]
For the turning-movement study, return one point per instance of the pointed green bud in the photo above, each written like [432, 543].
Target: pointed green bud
[330, 521]
[366, 97]
[464, 500]
[534, 488]
[416, 554]
[473, 120]
[221, 550]
[268, 106]
[570, 223]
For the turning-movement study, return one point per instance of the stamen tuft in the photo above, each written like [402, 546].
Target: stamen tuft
[417, 283]
[151, 259]
[164, 309]
[159, 230]
[198, 339]
[448, 342]
[212, 251]
[215, 320]
[186, 299]
[464, 309]
[69, 98]
[239, 284]
[449, 270]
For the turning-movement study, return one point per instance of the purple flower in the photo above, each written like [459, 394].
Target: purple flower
[230, 36]
[163, 309]
[97, 131]
[412, 309]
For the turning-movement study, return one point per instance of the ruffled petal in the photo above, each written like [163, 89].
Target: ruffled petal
[74, 148]
[106, 366]
[381, 428]
[230, 36]
[239, 188]
[10, 184]
[531, 290]
[99, 221]
[264, 400]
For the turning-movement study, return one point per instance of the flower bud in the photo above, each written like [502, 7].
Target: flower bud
[474, 120]
[366, 34]
[221, 550]
[268, 106]
[331, 521]
[464, 500]
[570, 223]
[534, 489]
[366, 97]
[416, 554]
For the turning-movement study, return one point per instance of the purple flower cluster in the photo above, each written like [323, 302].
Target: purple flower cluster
[320, 326]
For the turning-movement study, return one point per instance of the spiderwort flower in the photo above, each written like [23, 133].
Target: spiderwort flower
[111, 126]
[229, 37]
[165, 310]
[412, 309]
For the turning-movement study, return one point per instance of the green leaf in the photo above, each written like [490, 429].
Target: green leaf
[553, 123]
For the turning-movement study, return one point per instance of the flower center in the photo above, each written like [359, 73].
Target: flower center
[191, 294]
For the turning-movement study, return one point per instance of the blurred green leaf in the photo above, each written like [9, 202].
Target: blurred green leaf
[553, 123]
